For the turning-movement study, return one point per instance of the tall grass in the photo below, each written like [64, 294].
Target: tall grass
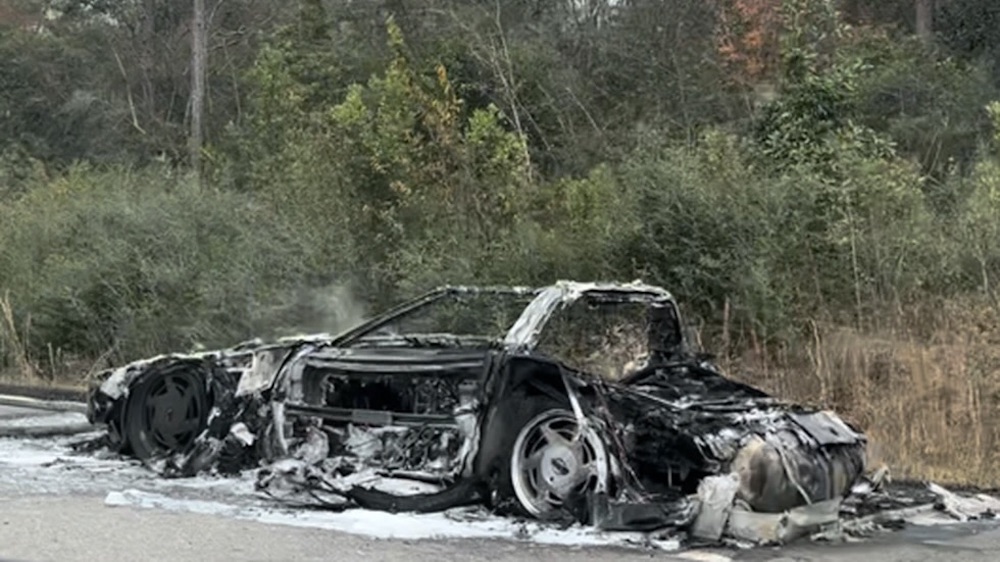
[925, 387]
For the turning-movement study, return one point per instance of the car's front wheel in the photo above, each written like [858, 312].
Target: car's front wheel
[555, 460]
[552, 461]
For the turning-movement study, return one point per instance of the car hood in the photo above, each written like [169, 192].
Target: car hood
[396, 360]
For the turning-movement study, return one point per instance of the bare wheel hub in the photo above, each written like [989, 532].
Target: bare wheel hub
[561, 469]
[173, 410]
[553, 460]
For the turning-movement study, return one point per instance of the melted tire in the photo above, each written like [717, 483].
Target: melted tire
[166, 410]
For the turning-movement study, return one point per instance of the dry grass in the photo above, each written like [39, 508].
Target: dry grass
[57, 370]
[925, 386]
[12, 348]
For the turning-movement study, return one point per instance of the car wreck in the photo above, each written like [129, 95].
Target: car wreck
[575, 402]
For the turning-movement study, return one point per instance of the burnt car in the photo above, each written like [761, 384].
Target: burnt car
[575, 401]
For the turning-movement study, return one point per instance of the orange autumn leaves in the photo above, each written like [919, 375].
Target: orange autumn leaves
[748, 38]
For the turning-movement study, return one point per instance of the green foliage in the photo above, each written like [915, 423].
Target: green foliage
[978, 228]
[814, 121]
[397, 166]
[49, 110]
[929, 105]
[467, 144]
[971, 30]
[715, 227]
[137, 262]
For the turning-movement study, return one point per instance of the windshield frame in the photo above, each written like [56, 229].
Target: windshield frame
[526, 332]
[409, 308]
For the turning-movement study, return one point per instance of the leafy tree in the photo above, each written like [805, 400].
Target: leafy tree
[408, 167]
[971, 30]
[748, 39]
[50, 104]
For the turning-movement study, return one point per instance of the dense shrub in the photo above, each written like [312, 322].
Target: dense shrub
[136, 263]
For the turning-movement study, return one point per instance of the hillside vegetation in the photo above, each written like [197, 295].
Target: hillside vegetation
[818, 182]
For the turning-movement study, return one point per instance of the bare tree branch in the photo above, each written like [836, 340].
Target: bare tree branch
[128, 92]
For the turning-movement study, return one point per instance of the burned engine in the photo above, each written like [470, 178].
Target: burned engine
[398, 425]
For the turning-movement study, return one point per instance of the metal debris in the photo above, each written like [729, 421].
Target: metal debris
[968, 508]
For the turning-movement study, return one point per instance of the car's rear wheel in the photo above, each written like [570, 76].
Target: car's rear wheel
[166, 411]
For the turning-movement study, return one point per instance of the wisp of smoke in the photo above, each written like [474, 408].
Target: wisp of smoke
[314, 310]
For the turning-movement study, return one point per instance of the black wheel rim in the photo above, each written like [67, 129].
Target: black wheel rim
[173, 411]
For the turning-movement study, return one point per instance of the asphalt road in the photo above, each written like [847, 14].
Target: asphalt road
[84, 529]
[69, 526]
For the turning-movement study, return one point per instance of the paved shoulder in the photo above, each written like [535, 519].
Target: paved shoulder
[972, 542]
[84, 529]
[8, 412]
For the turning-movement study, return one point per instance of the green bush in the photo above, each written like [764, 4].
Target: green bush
[137, 263]
[713, 226]
[397, 185]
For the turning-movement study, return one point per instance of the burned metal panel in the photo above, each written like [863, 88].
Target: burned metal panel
[263, 368]
[406, 361]
[825, 427]
[685, 423]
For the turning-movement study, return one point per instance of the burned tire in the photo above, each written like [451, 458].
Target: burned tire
[166, 410]
[548, 465]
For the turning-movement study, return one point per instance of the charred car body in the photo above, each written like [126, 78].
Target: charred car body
[573, 401]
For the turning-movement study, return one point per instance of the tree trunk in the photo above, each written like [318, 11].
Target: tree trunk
[925, 19]
[198, 61]
[146, 41]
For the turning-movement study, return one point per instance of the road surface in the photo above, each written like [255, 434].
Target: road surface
[7, 412]
[57, 508]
